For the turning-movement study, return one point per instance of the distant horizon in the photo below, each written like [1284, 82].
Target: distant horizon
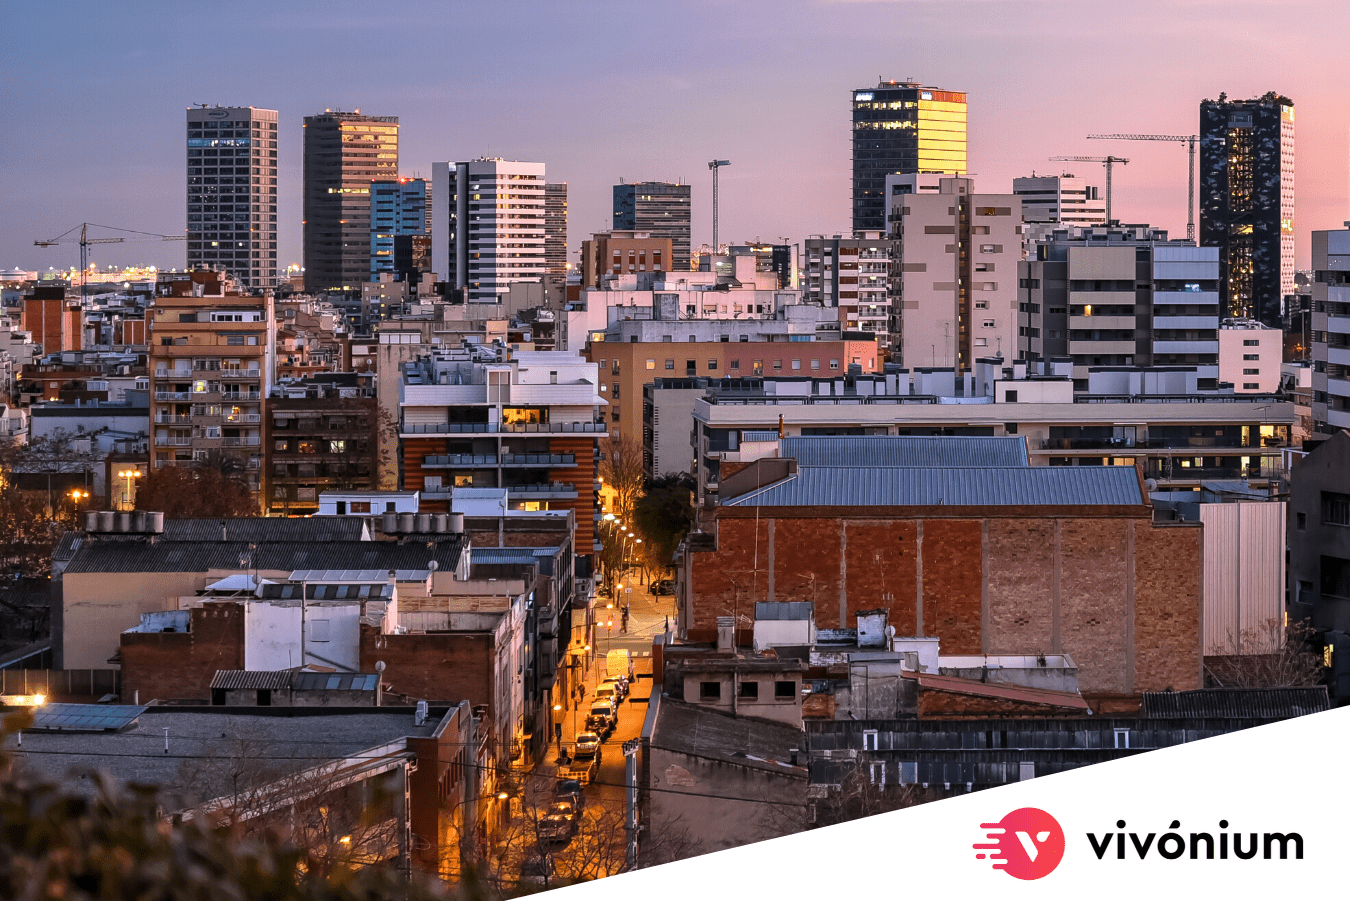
[641, 93]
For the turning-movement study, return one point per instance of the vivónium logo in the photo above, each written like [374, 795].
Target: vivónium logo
[1174, 844]
[1027, 843]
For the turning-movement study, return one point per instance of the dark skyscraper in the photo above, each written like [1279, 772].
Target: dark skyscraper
[660, 209]
[232, 192]
[555, 227]
[344, 153]
[1247, 201]
[902, 128]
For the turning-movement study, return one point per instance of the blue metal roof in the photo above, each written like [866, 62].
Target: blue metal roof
[836, 486]
[500, 555]
[906, 451]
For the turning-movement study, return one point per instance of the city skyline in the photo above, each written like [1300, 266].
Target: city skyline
[782, 118]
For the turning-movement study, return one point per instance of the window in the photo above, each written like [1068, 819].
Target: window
[796, 364]
[988, 323]
[1010, 397]
[236, 340]
[758, 366]
[748, 691]
[1251, 372]
[264, 697]
[1248, 342]
[712, 365]
[1335, 509]
[735, 365]
[691, 366]
[670, 364]
[1122, 738]
[1251, 356]
[1302, 519]
[785, 690]
[834, 364]
[778, 365]
[651, 364]
[876, 771]
[710, 691]
[1251, 386]
[815, 364]
[870, 740]
[360, 506]
[318, 630]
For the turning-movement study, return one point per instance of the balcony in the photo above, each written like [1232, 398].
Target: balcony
[503, 428]
[246, 418]
[539, 460]
[466, 461]
[550, 491]
[161, 441]
[236, 396]
[253, 374]
[241, 442]
[170, 419]
[173, 395]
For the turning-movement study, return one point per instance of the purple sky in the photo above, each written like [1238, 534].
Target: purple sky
[93, 115]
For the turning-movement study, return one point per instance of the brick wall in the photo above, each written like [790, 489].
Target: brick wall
[440, 667]
[1105, 585]
[180, 665]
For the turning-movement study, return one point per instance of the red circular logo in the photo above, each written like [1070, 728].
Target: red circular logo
[1027, 843]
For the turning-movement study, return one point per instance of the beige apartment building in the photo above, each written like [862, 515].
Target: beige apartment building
[954, 275]
[211, 365]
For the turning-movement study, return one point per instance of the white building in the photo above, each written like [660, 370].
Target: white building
[1065, 199]
[487, 225]
[1331, 331]
[1250, 356]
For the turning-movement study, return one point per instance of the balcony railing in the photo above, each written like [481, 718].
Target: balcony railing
[240, 373]
[241, 442]
[251, 418]
[161, 441]
[173, 395]
[551, 490]
[491, 428]
[539, 460]
[169, 419]
[464, 460]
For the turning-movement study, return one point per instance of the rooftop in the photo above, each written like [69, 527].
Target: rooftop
[140, 556]
[875, 451]
[701, 732]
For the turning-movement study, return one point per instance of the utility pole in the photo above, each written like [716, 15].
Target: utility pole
[630, 749]
[714, 166]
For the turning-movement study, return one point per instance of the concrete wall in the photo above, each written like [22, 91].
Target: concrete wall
[98, 607]
[1267, 352]
[1244, 576]
[1119, 594]
[180, 665]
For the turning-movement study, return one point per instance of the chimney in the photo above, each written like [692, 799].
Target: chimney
[726, 635]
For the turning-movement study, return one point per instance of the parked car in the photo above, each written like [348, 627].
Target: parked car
[556, 828]
[568, 791]
[663, 586]
[587, 743]
[608, 691]
[620, 684]
[567, 806]
[538, 870]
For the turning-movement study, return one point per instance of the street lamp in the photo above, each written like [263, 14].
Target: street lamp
[128, 475]
[79, 495]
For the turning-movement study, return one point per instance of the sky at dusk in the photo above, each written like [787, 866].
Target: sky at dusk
[93, 99]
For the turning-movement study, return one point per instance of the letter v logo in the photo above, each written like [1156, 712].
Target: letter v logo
[1026, 844]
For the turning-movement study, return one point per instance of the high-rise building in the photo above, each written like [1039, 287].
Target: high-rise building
[555, 227]
[398, 209]
[660, 209]
[344, 153]
[900, 128]
[1062, 199]
[487, 225]
[232, 193]
[1247, 201]
[1331, 331]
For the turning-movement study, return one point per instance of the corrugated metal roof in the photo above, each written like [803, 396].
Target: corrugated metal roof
[759, 435]
[299, 681]
[784, 610]
[869, 451]
[496, 556]
[251, 679]
[139, 556]
[1236, 703]
[1057, 486]
[261, 528]
[1002, 691]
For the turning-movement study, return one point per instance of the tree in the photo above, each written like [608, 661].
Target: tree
[116, 843]
[863, 792]
[664, 514]
[181, 492]
[1283, 658]
[622, 469]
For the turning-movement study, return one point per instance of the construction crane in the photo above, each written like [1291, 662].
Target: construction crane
[1189, 141]
[1108, 161]
[714, 166]
[84, 241]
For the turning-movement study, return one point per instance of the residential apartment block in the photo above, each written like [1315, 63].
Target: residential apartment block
[232, 193]
[470, 419]
[212, 362]
[555, 226]
[954, 275]
[1331, 331]
[1063, 199]
[1121, 296]
[488, 226]
[614, 254]
[321, 434]
[1250, 356]
[851, 275]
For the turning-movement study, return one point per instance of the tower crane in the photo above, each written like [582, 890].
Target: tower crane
[84, 241]
[1189, 141]
[1108, 161]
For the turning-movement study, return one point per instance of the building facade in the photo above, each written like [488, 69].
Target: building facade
[619, 253]
[1247, 201]
[660, 209]
[1121, 296]
[314, 444]
[398, 209]
[212, 361]
[1331, 331]
[488, 226]
[344, 153]
[555, 226]
[1064, 199]
[1250, 356]
[901, 128]
[953, 278]
[852, 275]
[232, 193]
